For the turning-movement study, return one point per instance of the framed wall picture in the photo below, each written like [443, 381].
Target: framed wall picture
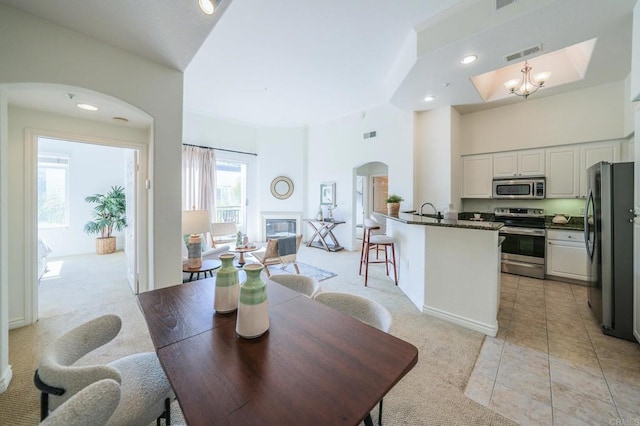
[328, 193]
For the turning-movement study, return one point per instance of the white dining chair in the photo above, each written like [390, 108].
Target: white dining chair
[308, 286]
[145, 391]
[93, 405]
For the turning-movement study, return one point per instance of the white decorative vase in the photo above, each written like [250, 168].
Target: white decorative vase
[227, 286]
[253, 307]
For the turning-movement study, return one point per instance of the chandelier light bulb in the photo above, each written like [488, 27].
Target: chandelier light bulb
[541, 77]
[206, 6]
[527, 84]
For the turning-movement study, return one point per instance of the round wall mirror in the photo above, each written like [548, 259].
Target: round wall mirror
[282, 187]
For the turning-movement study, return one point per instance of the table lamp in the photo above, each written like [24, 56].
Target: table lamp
[194, 223]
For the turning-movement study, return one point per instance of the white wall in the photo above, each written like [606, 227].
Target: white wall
[432, 158]
[92, 169]
[34, 50]
[282, 152]
[585, 115]
[5, 368]
[337, 148]
[210, 131]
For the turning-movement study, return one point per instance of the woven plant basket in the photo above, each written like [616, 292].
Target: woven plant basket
[106, 245]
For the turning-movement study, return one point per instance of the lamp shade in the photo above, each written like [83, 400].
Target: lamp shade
[195, 221]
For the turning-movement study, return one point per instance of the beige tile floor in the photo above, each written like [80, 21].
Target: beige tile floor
[551, 365]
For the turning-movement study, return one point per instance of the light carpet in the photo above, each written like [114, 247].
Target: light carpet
[431, 393]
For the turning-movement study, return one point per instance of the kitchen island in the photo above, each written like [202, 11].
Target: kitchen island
[450, 269]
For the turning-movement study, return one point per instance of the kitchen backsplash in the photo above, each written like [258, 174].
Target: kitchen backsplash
[551, 206]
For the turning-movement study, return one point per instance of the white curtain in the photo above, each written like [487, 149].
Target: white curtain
[199, 179]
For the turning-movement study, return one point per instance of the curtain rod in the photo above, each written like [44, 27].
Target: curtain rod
[220, 149]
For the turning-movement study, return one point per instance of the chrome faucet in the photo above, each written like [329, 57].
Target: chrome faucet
[438, 216]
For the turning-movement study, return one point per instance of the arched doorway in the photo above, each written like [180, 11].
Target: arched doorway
[371, 181]
[48, 110]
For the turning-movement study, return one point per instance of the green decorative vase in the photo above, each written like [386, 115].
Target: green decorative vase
[227, 282]
[253, 306]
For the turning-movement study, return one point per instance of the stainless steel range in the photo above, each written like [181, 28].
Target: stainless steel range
[523, 249]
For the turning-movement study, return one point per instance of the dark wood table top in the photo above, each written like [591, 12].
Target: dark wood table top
[314, 365]
[178, 312]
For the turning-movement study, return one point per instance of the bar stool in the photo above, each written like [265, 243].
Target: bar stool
[374, 241]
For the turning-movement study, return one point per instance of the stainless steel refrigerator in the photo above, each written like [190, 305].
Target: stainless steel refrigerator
[608, 228]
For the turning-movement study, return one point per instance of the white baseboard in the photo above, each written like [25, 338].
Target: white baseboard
[489, 330]
[17, 323]
[5, 379]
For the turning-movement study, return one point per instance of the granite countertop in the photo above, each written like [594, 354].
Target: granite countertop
[430, 220]
[574, 224]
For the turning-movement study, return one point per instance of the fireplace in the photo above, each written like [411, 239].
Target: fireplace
[280, 224]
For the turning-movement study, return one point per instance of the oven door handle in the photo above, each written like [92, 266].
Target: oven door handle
[516, 263]
[522, 231]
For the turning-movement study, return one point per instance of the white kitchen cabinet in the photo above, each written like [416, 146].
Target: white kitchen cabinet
[593, 153]
[523, 163]
[477, 176]
[566, 255]
[562, 172]
[505, 164]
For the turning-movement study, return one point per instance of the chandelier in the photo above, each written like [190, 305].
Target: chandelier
[527, 84]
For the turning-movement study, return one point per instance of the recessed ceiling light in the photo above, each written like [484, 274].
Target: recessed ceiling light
[429, 98]
[468, 59]
[87, 107]
[121, 119]
[206, 6]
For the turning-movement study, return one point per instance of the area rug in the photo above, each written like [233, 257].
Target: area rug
[305, 269]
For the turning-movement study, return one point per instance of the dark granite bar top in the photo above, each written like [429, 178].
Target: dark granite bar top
[430, 220]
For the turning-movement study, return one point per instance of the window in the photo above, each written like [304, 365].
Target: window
[53, 202]
[231, 191]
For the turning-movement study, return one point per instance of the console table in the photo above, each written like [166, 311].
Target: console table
[322, 230]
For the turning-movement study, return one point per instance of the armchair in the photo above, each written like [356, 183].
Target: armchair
[273, 255]
[223, 232]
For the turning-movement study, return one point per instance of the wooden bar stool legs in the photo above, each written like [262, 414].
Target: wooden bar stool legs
[376, 242]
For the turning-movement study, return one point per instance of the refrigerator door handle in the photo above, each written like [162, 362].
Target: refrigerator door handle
[587, 226]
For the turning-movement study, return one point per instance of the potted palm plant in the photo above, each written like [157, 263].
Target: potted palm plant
[393, 204]
[109, 214]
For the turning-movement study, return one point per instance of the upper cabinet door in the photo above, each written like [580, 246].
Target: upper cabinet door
[517, 164]
[476, 180]
[505, 164]
[593, 153]
[531, 162]
[562, 172]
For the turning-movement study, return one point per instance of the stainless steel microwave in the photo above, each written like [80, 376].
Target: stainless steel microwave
[525, 189]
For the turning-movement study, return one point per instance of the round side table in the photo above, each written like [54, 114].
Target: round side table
[208, 266]
[242, 251]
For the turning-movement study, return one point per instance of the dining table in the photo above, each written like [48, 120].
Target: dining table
[314, 365]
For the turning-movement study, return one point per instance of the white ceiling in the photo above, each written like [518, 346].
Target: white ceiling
[289, 62]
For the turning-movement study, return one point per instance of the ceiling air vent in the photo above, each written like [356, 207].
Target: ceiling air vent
[503, 3]
[529, 51]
